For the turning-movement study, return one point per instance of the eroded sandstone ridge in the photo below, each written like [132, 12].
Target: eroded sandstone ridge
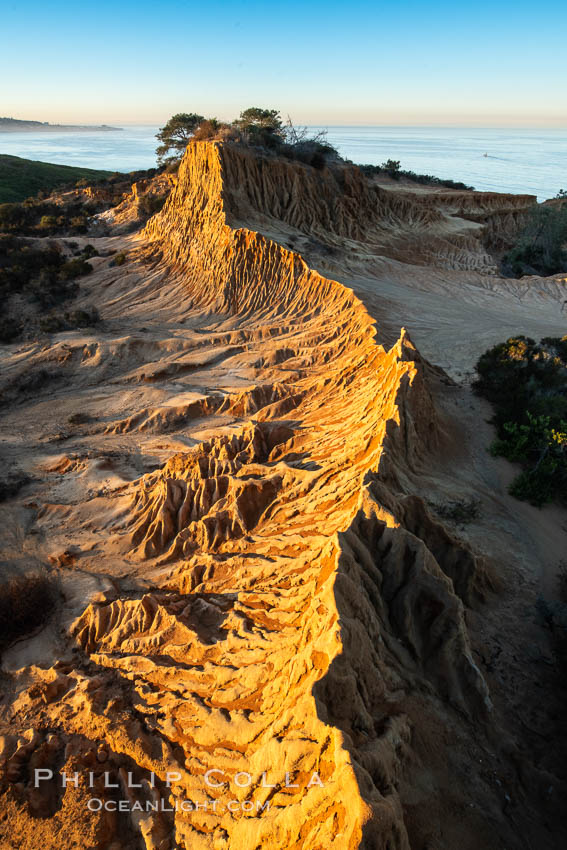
[294, 610]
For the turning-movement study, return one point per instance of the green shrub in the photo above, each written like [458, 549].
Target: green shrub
[37, 216]
[75, 268]
[151, 204]
[118, 259]
[79, 418]
[78, 223]
[425, 179]
[261, 127]
[11, 216]
[459, 511]
[83, 318]
[51, 324]
[318, 161]
[42, 276]
[527, 384]
[311, 151]
[557, 344]
[49, 289]
[208, 129]
[392, 167]
[176, 135]
[541, 247]
[22, 263]
[57, 322]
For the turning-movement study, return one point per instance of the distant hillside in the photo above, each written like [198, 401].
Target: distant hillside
[16, 125]
[23, 178]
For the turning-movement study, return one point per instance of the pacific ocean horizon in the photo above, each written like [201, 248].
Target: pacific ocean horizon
[524, 161]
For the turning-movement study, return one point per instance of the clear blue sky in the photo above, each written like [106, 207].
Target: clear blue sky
[480, 63]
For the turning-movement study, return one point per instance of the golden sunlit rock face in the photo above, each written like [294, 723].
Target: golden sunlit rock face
[253, 626]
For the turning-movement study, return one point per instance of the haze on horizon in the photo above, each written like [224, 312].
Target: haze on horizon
[411, 63]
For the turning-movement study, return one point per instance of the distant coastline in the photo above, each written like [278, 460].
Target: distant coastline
[16, 125]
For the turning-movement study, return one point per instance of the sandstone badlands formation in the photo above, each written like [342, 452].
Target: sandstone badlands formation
[235, 482]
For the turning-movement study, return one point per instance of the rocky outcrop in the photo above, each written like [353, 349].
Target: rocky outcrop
[136, 203]
[301, 594]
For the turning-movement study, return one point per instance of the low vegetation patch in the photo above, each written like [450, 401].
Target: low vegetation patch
[38, 217]
[40, 275]
[541, 247]
[459, 511]
[69, 320]
[392, 168]
[151, 204]
[79, 418]
[526, 382]
[26, 603]
[68, 212]
[255, 127]
[119, 259]
[22, 178]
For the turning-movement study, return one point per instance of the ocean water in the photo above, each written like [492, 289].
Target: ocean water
[530, 161]
[128, 149]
